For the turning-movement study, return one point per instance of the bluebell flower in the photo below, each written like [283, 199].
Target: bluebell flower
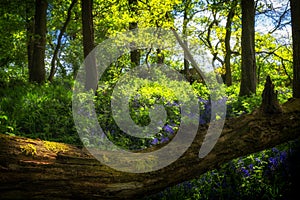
[245, 172]
[282, 156]
[275, 150]
[168, 129]
[258, 160]
[273, 162]
[164, 139]
[250, 166]
[240, 161]
[187, 185]
[154, 141]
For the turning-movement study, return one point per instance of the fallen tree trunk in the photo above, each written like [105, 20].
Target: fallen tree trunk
[35, 169]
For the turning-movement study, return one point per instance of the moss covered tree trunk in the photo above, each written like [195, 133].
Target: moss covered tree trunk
[35, 169]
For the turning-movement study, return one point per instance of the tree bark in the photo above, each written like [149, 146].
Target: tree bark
[270, 103]
[37, 72]
[91, 80]
[35, 169]
[30, 33]
[295, 13]
[135, 53]
[186, 64]
[228, 75]
[248, 74]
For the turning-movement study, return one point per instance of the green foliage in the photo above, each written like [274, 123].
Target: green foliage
[44, 111]
[13, 33]
[240, 105]
[38, 112]
[143, 94]
[261, 175]
[6, 126]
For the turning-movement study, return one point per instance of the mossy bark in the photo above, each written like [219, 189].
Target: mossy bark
[61, 171]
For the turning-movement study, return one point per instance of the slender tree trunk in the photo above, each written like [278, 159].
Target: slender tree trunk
[228, 75]
[248, 76]
[295, 12]
[61, 33]
[37, 70]
[191, 74]
[30, 33]
[186, 64]
[135, 53]
[91, 81]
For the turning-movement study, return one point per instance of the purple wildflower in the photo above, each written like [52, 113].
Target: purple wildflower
[154, 141]
[273, 162]
[258, 160]
[245, 172]
[275, 150]
[250, 167]
[164, 139]
[168, 129]
[282, 156]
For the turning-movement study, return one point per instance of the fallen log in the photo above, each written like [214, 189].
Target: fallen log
[36, 169]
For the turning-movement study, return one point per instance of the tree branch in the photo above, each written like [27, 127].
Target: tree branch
[61, 33]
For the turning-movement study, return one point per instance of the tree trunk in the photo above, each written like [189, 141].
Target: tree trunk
[35, 169]
[186, 64]
[38, 72]
[228, 76]
[248, 76]
[135, 53]
[270, 103]
[30, 33]
[91, 80]
[61, 33]
[295, 12]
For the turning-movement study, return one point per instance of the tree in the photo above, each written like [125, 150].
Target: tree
[37, 72]
[29, 32]
[61, 33]
[248, 72]
[186, 65]
[13, 33]
[134, 54]
[88, 44]
[295, 12]
[228, 52]
[218, 38]
[34, 168]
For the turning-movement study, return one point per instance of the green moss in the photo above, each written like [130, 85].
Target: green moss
[55, 146]
[28, 149]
